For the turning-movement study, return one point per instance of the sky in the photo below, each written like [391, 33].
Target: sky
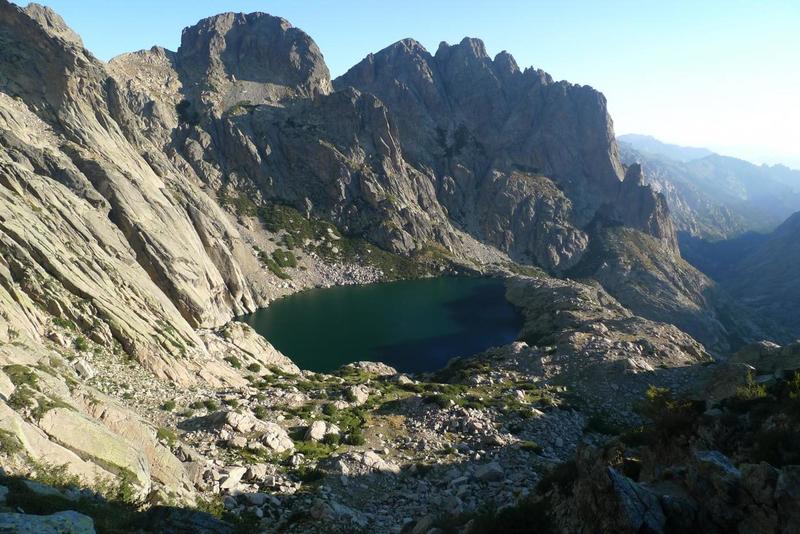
[719, 74]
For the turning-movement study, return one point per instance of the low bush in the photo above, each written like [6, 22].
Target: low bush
[531, 446]
[670, 416]
[234, 362]
[81, 344]
[167, 435]
[355, 438]
[9, 443]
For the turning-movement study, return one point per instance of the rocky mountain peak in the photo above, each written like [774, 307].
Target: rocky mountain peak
[505, 63]
[251, 57]
[53, 23]
[634, 177]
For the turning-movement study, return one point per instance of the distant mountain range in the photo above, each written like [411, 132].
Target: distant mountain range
[712, 196]
[649, 145]
[757, 269]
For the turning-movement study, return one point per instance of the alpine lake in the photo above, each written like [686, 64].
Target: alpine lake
[412, 325]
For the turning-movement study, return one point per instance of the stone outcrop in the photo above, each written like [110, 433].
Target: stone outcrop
[56, 523]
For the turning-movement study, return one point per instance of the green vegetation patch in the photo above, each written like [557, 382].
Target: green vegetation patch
[21, 375]
[9, 443]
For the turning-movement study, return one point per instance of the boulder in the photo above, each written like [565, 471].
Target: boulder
[639, 508]
[38, 446]
[373, 368]
[319, 429]
[164, 465]
[276, 438]
[355, 463]
[68, 522]
[91, 440]
[231, 477]
[84, 368]
[358, 394]
[491, 472]
[236, 422]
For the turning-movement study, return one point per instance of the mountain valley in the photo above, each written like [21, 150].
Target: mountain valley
[149, 203]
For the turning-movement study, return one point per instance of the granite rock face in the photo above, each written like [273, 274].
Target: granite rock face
[234, 57]
[521, 161]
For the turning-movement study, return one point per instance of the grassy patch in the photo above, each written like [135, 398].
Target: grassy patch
[9, 443]
[167, 435]
[23, 397]
[44, 405]
[81, 344]
[314, 450]
[284, 258]
[21, 375]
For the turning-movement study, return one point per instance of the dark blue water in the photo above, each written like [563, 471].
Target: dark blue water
[414, 325]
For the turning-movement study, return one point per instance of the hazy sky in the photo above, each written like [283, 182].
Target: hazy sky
[720, 74]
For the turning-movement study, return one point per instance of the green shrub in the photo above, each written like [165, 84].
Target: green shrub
[168, 405]
[750, 390]
[254, 367]
[81, 344]
[233, 403]
[331, 439]
[9, 443]
[273, 267]
[21, 375]
[670, 416]
[64, 323]
[793, 395]
[601, 425]
[531, 446]
[356, 438]
[241, 204]
[260, 412]
[777, 446]
[23, 397]
[44, 405]
[213, 505]
[441, 400]
[168, 435]
[54, 475]
[329, 409]
[529, 515]
[210, 405]
[284, 258]
[314, 450]
[234, 362]
[561, 477]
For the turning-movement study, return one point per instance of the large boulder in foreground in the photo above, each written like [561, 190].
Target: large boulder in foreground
[89, 439]
[68, 522]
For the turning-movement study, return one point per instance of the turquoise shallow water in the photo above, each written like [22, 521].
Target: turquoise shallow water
[414, 325]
